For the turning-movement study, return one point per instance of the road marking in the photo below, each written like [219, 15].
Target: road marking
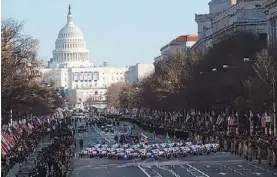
[223, 174]
[192, 169]
[148, 175]
[231, 169]
[159, 175]
[95, 129]
[169, 170]
[261, 168]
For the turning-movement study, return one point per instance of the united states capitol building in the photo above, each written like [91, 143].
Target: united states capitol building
[71, 70]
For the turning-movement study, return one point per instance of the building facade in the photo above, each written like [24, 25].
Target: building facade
[179, 44]
[271, 16]
[227, 16]
[139, 71]
[71, 69]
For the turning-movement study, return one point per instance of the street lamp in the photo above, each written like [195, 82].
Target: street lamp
[248, 60]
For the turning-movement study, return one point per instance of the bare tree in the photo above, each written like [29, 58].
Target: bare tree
[20, 90]
[113, 94]
[265, 67]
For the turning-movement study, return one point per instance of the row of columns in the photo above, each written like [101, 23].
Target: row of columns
[70, 56]
[70, 46]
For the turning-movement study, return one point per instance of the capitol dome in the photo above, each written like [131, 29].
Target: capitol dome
[70, 46]
[70, 31]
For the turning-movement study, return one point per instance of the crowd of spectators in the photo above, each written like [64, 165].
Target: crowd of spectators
[22, 148]
[222, 128]
[55, 160]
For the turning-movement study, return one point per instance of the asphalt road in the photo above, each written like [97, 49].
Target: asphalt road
[213, 165]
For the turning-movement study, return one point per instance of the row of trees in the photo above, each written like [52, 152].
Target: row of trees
[238, 73]
[22, 93]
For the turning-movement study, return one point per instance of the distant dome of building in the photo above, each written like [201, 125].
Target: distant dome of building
[70, 46]
[70, 30]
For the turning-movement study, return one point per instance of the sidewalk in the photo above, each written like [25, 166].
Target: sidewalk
[30, 162]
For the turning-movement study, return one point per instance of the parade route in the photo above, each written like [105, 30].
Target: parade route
[213, 165]
[173, 168]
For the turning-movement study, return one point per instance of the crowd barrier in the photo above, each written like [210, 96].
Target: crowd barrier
[158, 130]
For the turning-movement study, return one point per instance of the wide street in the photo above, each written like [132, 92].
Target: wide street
[219, 164]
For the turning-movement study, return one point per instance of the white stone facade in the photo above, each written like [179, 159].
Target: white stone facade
[70, 47]
[179, 44]
[70, 68]
[271, 14]
[78, 97]
[227, 16]
[139, 71]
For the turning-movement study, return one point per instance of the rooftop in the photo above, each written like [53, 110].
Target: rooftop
[182, 39]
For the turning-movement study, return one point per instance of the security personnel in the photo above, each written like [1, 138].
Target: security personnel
[225, 145]
[274, 158]
[249, 152]
[245, 150]
[233, 146]
[269, 156]
[240, 148]
[259, 155]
